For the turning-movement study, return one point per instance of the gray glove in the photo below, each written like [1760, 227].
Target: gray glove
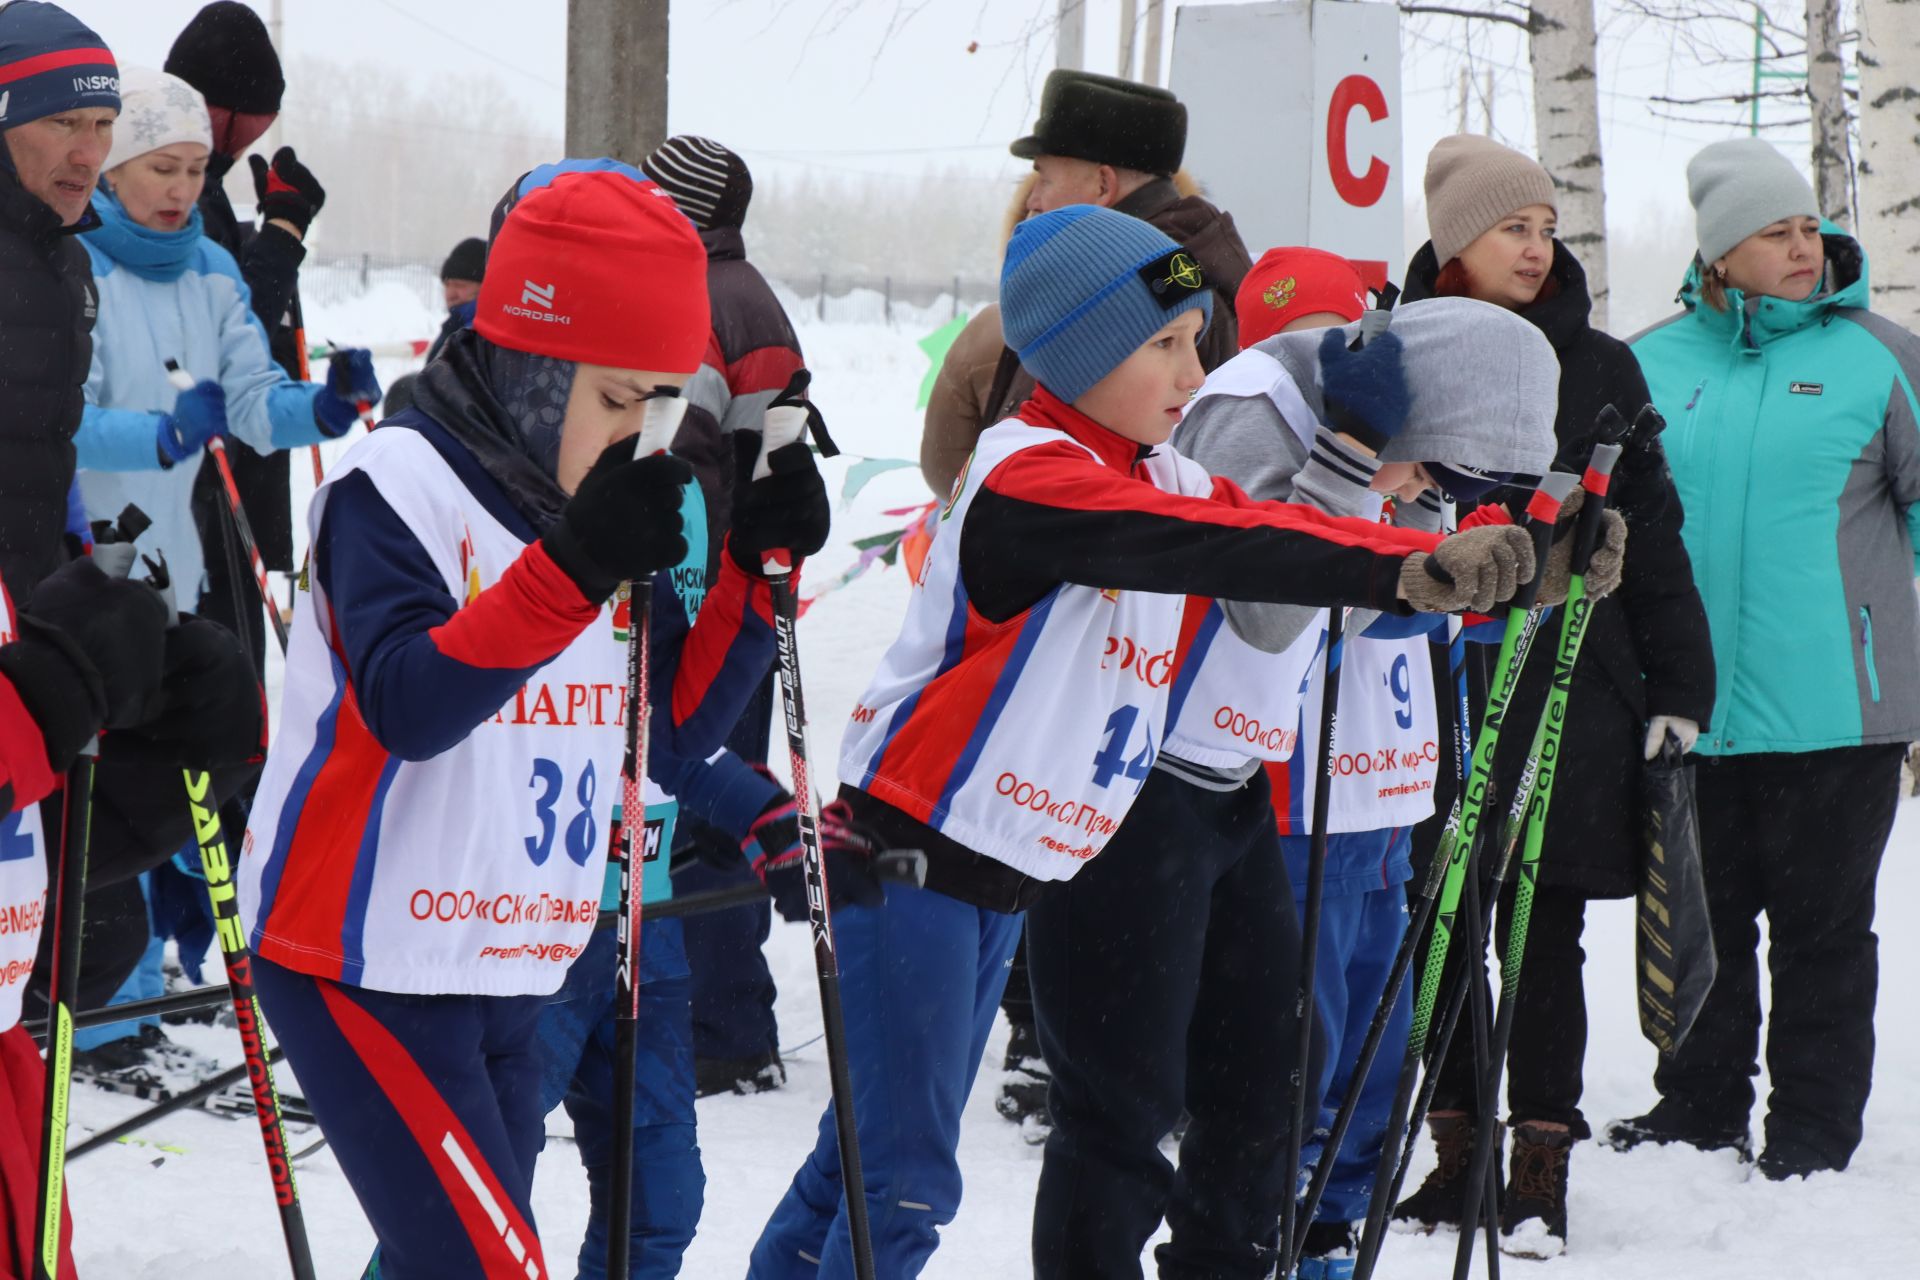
[1472, 570]
[1609, 555]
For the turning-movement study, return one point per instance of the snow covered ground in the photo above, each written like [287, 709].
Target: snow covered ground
[192, 1190]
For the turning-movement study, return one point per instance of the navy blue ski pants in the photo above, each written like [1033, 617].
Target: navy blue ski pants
[577, 1036]
[1360, 933]
[431, 1104]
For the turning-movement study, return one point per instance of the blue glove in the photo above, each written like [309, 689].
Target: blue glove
[199, 414]
[1365, 391]
[350, 382]
[350, 375]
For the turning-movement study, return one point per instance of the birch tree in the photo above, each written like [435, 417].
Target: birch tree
[1566, 111]
[1826, 93]
[1890, 154]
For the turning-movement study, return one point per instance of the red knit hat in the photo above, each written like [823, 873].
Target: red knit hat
[1293, 282]
[598, 268]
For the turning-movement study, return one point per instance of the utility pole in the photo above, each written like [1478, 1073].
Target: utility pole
[1129, 25]
[616, 78]
[1070, 46]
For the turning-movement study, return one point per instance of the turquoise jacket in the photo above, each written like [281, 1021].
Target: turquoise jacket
[1793, 441]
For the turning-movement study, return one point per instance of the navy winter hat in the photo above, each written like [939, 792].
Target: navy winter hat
[50, 61]
[1083, 287]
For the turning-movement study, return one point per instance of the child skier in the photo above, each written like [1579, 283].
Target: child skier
[427, 851]
[1017, 715]
[1300, 418]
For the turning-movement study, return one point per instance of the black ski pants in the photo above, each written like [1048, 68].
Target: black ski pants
[1165, 975]
[1548, 1047]
[1800, 837]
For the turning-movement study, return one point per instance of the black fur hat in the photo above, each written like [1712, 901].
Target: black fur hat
[225, 53]
[1108, 121]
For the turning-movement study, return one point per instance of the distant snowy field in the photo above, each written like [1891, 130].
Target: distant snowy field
[191, 1191]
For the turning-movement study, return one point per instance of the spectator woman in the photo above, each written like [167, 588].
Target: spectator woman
[1794, 447]
[169, 294]
[1646, 670]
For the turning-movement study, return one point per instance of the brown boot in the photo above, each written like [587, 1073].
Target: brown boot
[1534, 1222]
[1439, 1201]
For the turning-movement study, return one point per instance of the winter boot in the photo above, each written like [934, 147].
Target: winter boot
[757, 1073]
[1023, 1085]
[1533, 1221]
[1440, 1200]
[1328, 1252]
[1669, 1123]
[181, 1066]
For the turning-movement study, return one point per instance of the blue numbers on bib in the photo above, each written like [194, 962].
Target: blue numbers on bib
[1402, 692]
[1111, 761]
[580, 831]
[15, 844]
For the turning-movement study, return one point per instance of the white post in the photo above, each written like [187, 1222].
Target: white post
[1129, 23]
[1070, 45]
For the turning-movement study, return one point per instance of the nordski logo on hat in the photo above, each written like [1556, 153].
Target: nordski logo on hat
[1174, 277]
[538, 295]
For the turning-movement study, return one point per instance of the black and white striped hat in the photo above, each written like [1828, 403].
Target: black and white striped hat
[709, 183]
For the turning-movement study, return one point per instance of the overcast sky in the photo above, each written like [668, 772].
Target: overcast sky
[898, 86]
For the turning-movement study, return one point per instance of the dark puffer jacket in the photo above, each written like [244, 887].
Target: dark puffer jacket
[47, 308]
[1647, 650]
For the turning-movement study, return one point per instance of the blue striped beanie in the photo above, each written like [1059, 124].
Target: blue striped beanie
[1083, 287]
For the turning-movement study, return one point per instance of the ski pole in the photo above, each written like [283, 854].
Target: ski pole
[664, 411]
[68, 893]
[183, 381]
[1293, 1229]
[1542, 760]
[302, 369]
[1292, 1224]
[789, 418]
[218, 870]
[1453, 858]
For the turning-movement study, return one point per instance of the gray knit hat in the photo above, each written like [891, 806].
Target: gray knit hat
[1485, 384]
[1472, 183]
[1739, 186]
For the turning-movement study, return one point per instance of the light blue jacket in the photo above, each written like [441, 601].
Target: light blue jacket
[178, 296]
[1793, 431]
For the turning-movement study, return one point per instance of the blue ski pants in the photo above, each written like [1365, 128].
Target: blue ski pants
[920, 980]
[577, 1039]
[1359, 934]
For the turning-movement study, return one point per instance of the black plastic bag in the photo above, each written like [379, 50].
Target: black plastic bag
[1674, 963]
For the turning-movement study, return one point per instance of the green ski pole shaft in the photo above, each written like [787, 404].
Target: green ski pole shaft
[1453, 859]
[1542, 759]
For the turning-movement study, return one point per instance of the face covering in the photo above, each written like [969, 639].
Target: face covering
[533, 390]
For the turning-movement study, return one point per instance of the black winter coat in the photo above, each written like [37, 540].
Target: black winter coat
[47, 308]
[270, 264]
[1646, 651]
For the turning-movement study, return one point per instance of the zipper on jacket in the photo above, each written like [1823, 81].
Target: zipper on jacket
[1689, 423]
[1866, 643]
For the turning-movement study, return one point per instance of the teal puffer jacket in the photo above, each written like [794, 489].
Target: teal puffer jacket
[1793, 441]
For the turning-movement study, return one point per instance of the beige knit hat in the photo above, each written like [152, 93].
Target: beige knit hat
[1472, 183]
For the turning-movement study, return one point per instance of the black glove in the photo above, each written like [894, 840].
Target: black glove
[286, 189]
[623, 523]
[785, 511]
[773, 847]
[59, 688]
[211, 710]
[119, 625]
